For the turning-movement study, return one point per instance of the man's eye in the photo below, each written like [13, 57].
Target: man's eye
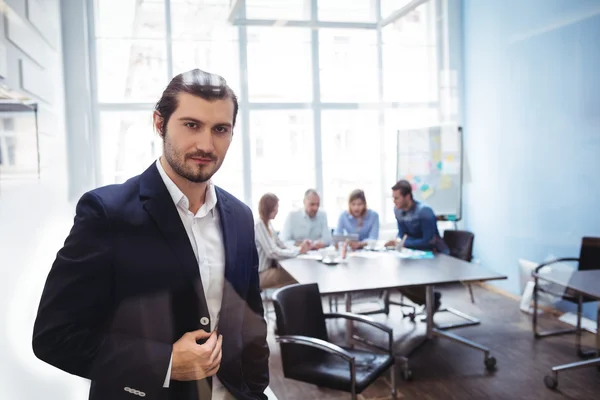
[221, 129]
[191, 125]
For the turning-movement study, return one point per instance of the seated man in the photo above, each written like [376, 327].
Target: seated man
[308, 224]
[417, 226]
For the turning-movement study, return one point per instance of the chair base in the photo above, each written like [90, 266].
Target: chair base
[432, 332]
[551, 381]
[471, 321]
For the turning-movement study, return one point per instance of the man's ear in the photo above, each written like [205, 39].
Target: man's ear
[158, 121]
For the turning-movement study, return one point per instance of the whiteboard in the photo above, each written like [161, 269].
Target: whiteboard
[431, 159]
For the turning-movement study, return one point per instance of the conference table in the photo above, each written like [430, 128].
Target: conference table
[370, 271]
[582, 283]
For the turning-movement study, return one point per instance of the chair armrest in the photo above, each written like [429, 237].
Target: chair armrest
[539, 267]
[361, 318]
[316, 343]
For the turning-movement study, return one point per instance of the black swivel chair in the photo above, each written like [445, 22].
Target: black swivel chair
[308, 356]
[460, 244]
[589, 258]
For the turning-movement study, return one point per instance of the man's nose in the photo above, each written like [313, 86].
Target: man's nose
[204, 140]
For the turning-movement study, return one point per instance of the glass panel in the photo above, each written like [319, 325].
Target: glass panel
[389, 6]
[128, 144]
[348, 61]
[283, 157]
[278, 9]
[410, 61]
[202, 20]
[347, 11]
[279, 64]
[131, 70]
[351, 159]
[130, 18]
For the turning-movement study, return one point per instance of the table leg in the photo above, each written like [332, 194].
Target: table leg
[349, 325]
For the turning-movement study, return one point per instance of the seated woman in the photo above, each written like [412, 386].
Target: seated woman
[358, 220]
[271, 248]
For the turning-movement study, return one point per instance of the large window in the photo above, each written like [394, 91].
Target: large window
[283, 156]
[279, 64]
[348, 60]
[322, 93]
[351, 148]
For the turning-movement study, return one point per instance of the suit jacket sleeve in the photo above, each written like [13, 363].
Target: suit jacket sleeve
[71, 330]
[255, 353]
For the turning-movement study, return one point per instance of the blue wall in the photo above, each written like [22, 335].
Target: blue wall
[531, 95]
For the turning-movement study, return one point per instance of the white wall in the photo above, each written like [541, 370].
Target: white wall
[34, 215]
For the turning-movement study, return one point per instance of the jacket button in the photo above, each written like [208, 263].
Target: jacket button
[204, 321]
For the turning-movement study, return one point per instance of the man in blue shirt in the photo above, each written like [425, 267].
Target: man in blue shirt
[416, 222]
[308, 224]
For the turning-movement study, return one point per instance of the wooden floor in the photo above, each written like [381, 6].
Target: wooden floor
[446, 370]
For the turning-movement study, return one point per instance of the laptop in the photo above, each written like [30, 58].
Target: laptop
[353, 237]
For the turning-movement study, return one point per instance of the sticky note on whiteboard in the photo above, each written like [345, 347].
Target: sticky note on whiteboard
[445, 182]
[426, 193]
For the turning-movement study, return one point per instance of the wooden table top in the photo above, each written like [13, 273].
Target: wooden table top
[377, 271]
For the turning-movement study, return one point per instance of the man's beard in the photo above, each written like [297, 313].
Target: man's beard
[194, 173]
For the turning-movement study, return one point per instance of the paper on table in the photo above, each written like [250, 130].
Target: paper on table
[365, 254]
[317, 257]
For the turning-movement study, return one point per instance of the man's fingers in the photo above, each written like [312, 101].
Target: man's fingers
[211, 342]
[216, 350]
[199, 334]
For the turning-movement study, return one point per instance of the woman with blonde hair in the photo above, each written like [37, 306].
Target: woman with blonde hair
[358, 219]
[270, 248]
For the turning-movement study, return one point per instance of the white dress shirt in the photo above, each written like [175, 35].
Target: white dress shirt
[206, 239]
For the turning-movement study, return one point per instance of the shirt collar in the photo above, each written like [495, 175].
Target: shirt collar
[181, 200]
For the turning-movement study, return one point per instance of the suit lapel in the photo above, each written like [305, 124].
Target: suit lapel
[228, 227]
[158, 203]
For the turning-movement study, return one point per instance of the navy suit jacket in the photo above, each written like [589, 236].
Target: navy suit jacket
[126, 286]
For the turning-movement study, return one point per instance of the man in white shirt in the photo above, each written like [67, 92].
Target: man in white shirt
[308, 224]
[156, 293]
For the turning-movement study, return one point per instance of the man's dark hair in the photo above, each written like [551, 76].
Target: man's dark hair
[198, 83]
[404, 187]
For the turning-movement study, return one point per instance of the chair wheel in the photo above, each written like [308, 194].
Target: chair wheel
[407, 375]
[550, 382]
[490, 363]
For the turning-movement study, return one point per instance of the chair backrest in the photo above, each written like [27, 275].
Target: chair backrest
[589, 256]
[299, 311]
[460, 244]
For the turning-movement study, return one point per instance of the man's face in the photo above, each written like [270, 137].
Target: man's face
[311, 204]
[400, 202]
[197, 136]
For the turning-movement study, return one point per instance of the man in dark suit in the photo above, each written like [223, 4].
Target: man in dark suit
[155, 293]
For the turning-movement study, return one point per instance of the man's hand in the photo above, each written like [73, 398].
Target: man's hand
[192, 361]
[304, 246]
[392, 243]
[356, 245]
[317, 245]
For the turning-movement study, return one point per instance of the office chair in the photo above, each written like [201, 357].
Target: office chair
[461, 247]
[589, 258]
[307, 354]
